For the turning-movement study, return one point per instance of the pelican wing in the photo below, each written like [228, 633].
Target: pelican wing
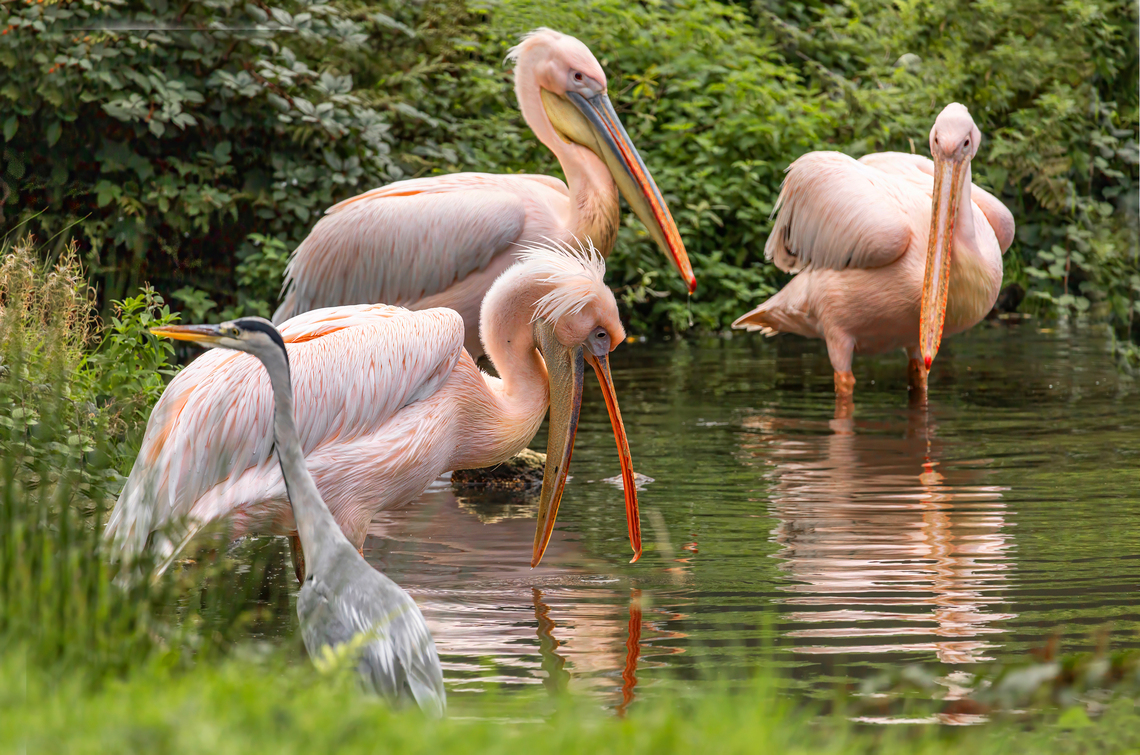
[403, 242]
[352, 368]
[835, 212]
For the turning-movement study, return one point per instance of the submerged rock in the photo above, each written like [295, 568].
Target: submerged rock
[522, 470]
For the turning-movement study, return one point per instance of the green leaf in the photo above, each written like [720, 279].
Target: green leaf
[52, 133]
[1074, 718]
[10, 127]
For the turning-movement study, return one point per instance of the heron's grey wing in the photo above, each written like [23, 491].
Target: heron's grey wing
[400, 659]
[834, 212]
[403, 633]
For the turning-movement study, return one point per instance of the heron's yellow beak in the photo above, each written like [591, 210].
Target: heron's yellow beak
[594, 124]
[936, 285]
[565, 369]
[205, 334]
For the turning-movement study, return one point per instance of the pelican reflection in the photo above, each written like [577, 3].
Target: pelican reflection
[565, 624]
[885, 549]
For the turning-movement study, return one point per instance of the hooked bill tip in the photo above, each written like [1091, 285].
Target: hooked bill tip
[928, 360]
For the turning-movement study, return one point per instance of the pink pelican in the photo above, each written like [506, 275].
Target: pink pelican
[386, 400]
[883, 254]
[442, 241]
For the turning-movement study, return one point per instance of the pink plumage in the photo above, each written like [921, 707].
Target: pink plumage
[385, 400]
[857, 233]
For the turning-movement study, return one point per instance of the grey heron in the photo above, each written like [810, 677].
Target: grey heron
[343, 601]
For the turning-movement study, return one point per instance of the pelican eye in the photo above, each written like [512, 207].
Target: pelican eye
[579, 77]
[967, 142]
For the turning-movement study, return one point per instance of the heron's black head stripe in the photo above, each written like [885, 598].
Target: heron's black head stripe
[266, 327]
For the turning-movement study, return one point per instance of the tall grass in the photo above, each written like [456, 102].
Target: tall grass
[73, 401]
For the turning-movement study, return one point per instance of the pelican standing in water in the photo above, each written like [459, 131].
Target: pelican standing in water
[342, 597]
[386, 401]
[442, 241]
[888, 248]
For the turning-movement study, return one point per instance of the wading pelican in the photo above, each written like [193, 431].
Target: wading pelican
[343, 600]
[387, 400]
[886, 247]
[442, 241]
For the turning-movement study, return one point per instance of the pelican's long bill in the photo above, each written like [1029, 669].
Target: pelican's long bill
[936, 285]
[203, 334]
[594, 124]
[565, 369]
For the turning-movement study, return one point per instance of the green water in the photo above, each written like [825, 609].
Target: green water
[776, 535]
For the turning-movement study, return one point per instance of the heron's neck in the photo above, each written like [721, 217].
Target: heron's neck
[594, 209]
[315, 524]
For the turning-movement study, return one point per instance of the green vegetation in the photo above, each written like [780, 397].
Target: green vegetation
[252, 706]
[198, 154]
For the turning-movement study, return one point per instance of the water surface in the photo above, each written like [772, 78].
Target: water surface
[777, 535]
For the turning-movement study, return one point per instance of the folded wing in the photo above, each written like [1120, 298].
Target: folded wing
[835, 212]
[352, 369]
[400, 243]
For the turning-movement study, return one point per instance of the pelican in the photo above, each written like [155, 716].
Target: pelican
[343, 601]
[442, 241]
[386, 401]
[883, 253]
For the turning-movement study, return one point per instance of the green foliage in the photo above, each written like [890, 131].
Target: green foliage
[251, 706]
[72, 408]
[162, 144]
[198, 153]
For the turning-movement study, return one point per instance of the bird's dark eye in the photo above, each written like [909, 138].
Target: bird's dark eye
[600, 334]
[577, 76]
[966, 143]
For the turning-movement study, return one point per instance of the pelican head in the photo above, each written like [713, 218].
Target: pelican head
[954, 141]
[575, 321]
[572, 86]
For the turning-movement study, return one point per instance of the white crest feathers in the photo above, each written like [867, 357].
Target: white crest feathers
[576, 274]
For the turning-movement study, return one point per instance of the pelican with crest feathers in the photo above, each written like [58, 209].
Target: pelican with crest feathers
[343, 602]
[442, 241]
[386, 400]
[889, 249]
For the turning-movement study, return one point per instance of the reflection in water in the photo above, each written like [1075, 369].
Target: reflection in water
[886, 550]
[494, 619]
[552, 663]
[632, 652]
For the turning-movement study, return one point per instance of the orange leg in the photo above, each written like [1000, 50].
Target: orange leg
[916, 374]
[844, 394]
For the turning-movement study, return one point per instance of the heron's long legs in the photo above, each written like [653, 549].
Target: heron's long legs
[298, 558]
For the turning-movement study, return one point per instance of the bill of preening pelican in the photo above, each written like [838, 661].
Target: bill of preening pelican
[889, 251]
[386, 401]
[344, 603]
[442, 241]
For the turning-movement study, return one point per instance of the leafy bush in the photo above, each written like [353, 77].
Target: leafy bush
[196, 154]
[162, 135]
